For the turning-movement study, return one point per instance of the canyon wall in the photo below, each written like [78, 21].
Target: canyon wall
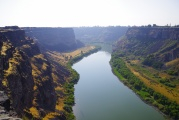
[55, 39]
[28, 76]
[108, 34]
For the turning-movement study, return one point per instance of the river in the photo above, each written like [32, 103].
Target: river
[99, 95]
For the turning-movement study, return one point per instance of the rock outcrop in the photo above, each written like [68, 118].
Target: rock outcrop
[153, 33]
[29, 77]
[16, 69]
[161, 44]
[55, 39]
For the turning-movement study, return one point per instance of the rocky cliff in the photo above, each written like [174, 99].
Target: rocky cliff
[29, 77]
[163, 42]
[56, 39]
[16, 71]
[153, 33]
[100, 34]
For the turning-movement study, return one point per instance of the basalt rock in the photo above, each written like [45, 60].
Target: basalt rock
[26, 74]
[55, 39]
[153, 33]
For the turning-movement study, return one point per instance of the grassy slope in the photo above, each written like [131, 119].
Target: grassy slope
[164, 81]
[133, 80]
[151, 77]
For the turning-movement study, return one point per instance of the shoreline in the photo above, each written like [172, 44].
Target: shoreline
[148, 103]
[75, 78]
[131, 87]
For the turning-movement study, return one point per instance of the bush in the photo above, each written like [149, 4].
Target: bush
[68, 108]
[164, 104]
[167, 83]
[172, 72]
[150, 61]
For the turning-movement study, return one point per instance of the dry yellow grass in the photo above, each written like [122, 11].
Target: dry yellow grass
[40, 56]
[50, 115]
[4, 83]
[164, 75]
[34, 112]
[169, 93]
[12, 64]
[58, 88]
[78, 51]
[35, 87]
[63, 58]
[60, 104]
[44, 66]
[134, 61]
[172, 63]
[10, 70]
[35, 71]
[4, 48]
[55, 77]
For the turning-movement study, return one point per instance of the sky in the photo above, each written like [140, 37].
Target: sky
[75, 13]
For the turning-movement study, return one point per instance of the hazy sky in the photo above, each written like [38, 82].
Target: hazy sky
[70, 13]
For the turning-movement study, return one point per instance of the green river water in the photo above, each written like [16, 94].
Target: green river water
[99, 95]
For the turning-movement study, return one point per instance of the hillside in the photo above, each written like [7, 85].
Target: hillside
[37, 85]
[99, 34]
[159, 45]
[55, 39]
[147, 60]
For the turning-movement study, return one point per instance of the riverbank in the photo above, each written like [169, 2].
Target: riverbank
[162, 103]
[65, 84]
[69, 87]
[98, 87]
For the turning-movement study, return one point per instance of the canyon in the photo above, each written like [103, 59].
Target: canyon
[37, 80]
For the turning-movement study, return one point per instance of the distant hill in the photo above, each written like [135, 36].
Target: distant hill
[99, 34]
[55, 39]
[147, 60]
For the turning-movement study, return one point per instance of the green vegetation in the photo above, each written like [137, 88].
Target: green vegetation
[69, 94]
[158, 100]
[69, 87]
[69, 101]
[150, 61]
[172, 72]
[166, 82]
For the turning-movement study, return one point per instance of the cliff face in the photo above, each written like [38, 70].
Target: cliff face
[99, 34]
[16, 72]
[29, 77]
[56, 39]
[162, 42]
[158, 46]
[157, 33]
